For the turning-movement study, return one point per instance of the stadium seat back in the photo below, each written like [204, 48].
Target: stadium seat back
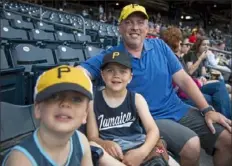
[27, 55]
[83, 38]
[9, 16]
[4, 62]
[20, 24]
[62, 36]
[69, 55]
[12, 82]
[91, 51]
[44, 26]
[16, 120]
[10, 33]
[36, 34]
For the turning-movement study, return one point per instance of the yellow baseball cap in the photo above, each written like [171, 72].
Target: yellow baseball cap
[129, 9]
[62, 78]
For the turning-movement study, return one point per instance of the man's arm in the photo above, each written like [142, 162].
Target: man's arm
[87, 157]
[152, 131]
[92, 66]
[185, 82]
[86, 71]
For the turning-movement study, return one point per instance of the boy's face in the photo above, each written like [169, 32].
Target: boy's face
[63, 112]
[116, 76]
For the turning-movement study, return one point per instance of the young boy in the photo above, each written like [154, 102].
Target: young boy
[62, 95]
[114, 117]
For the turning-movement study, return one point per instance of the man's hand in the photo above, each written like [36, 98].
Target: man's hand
[113, 149]
[134, 157]
[215, 117]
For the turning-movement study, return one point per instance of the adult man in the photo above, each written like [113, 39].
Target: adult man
[154, 66]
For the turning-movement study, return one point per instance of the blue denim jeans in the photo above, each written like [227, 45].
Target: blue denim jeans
[216, 95]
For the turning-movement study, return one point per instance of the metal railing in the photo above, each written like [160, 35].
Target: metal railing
[221, 51]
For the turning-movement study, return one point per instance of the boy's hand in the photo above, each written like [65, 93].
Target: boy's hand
[134, 157]
[113, 149]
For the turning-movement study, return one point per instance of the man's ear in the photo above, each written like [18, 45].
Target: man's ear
[37, 111]
[120, 28]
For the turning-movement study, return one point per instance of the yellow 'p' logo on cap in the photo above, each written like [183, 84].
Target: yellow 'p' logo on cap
[115, 54]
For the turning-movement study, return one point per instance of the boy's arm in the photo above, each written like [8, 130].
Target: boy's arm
[152, 131]
[92, 129]
[17, 158]
[87, 158]
[93, 135]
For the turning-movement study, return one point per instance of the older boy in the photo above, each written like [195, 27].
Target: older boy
[115, 122]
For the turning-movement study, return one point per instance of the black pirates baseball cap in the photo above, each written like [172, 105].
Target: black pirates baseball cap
[119, 57]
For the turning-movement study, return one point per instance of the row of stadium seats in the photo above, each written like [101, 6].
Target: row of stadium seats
[62, 18]
[19, 29]
[16, 27]
[30, 46]
[22, 63]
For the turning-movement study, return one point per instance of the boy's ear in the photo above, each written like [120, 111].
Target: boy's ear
[37, 111]
[84, 120]
[89, 108]
[102, 75]
[130, 78]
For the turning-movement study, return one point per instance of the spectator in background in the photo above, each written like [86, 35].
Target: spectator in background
[185, 46]
[200, 32]
[103, 18]
[91, 14]
[193, 37]
[85, 13]
[156, 29]
[215, 93]
[101, 10]
[217, 60]
[151, 30]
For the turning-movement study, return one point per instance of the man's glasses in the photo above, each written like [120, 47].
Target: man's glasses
[185, 44]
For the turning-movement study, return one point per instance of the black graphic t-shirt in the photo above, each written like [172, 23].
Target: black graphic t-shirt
[121, 123]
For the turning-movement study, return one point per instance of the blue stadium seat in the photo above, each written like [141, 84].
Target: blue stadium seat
[10, 33]
[20, 24]
[62, 36]
[9, 15]
[27, 55]
[12, 81]
[94, 35]
[34, 59]
[69, 55]
[39, 35]
[82, 38]
[44, 26]
[4, 23]
[16, 123]
[91, 51]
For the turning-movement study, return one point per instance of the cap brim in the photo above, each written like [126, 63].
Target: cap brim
[113, 61]
[48, 92]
